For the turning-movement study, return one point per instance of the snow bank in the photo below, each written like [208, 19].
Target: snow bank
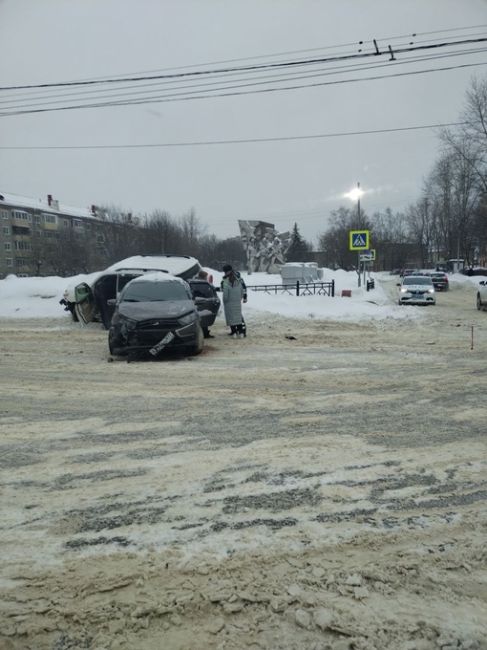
[39, 297]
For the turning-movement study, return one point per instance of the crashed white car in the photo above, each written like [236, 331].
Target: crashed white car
[87, 300]
[417, 290]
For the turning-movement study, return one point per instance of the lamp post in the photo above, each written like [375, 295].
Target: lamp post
[355, 195]
[359, 192]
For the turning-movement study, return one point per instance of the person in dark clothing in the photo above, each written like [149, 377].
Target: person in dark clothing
[204, 275]
[105, 288]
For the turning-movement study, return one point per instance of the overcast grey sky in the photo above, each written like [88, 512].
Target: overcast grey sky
[48, 41]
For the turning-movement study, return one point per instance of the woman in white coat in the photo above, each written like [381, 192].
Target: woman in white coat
[234, 292]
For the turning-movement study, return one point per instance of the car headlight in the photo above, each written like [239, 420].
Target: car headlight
[404, 290]
[188, 319]
[431, 290]
[129, 323]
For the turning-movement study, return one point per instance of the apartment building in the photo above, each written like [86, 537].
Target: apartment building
[33, 231]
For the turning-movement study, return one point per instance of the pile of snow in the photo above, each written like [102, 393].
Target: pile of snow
[361, 305]
[39, 297]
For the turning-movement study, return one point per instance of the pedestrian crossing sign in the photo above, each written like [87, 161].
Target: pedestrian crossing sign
[358, 240]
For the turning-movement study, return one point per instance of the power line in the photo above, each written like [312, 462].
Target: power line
[387, 39]
[221, 84]
[264, 66]
[206, 143]
[193, 96]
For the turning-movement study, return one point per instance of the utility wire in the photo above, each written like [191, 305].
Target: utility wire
[176, 84]
[264, 66]
[187, 97]
[386, 39]
[205, 143]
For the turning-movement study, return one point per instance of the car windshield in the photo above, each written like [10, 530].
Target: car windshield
[154, 291]
[415, 279]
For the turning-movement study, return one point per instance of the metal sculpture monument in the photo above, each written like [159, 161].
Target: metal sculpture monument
[265, 248]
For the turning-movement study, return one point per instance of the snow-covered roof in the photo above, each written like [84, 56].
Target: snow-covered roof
[304, 265]
[175, 264]
[157, 276]
[16, 201]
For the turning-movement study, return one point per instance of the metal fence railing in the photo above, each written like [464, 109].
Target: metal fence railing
[298, 288]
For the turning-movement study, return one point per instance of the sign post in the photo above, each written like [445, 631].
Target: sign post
[358, 240]
[366, 257]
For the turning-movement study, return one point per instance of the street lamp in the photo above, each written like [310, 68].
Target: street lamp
[354, 195]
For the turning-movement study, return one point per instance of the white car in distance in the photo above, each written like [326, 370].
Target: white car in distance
[417, 290]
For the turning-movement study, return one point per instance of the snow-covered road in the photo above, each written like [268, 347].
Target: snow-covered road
[321, 491]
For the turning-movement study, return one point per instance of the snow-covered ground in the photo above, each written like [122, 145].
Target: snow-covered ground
[320, 490]
[38, 297]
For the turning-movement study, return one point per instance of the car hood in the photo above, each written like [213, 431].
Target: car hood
[163, 309]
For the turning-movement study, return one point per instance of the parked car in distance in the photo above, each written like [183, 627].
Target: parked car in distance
[482, 295]
[405, 272]
[416, 290]
[440, 280]
[155, 311]
[87, 300]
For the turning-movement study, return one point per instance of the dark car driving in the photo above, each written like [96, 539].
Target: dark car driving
[440, 280]
[153, 312]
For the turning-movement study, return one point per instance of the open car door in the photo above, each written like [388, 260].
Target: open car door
[85, 303]
[91, 303]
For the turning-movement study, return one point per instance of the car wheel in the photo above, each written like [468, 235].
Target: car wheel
[198, 346]
[479, 303]
[113, 342]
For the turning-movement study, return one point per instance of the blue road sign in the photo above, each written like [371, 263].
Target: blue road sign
[358, 240]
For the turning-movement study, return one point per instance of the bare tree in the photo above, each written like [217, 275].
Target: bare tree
[161, 234]
[470, 140]
[390, 238]
[420, 226]
[334, 241]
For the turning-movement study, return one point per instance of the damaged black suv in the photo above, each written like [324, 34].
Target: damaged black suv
[155, 311]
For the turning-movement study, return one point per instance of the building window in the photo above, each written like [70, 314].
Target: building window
[5, 214]
[21, 214]
[49, 218]
[22, 246]
[21, 230]
[8, 246]
[6, 230]
[66, 223]
[77, 223]
[9, 261]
